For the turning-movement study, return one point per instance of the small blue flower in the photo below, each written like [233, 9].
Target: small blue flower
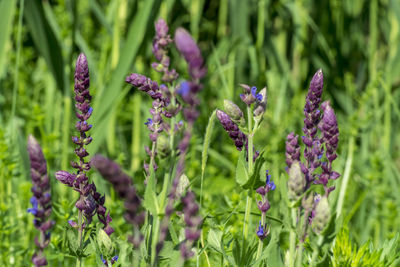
[90, 111]
[149, 122]
[34, 208]
[260, 232]
[270, 184]
[184, 89]
[259, 97]
[114, 259]
[102, 259]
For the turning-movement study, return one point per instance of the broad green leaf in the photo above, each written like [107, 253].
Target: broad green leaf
[214, 239]
[150, 197]
[258, 177]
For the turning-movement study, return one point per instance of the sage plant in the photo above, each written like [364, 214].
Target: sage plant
[90, 201]
[168, 100]
[242, 131]
[41, 200]
[303, 175]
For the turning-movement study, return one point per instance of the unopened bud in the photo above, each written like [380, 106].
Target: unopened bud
[322, 215]
[296, 181]
[234, 112]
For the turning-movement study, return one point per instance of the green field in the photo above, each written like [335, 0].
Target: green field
[277, 44]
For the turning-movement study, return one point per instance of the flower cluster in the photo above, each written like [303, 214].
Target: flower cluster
[192, 221]
[264, 205]
[90, 201]
[41, 200]
[164, 103]
[188, 91]
[122, 184]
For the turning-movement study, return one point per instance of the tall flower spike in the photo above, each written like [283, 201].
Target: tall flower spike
[232, 129]
[122, 184]
[90, 200]
[41, 200]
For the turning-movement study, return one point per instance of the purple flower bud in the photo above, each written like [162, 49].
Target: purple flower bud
[292, 149]
[191, 52]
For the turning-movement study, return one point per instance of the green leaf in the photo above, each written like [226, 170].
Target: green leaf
[150, 197]
[214, 239]
[242, 175]
[7, 8]
[45, 40]
[105, 243]
[258, 177]
[73, 242]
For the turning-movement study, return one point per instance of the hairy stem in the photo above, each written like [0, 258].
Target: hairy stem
[250, 172]
[292, 238]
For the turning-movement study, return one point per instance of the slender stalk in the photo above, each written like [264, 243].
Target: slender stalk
[292, 239]
[80, 231]
[250, 172]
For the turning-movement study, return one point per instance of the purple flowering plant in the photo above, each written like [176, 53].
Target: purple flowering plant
[310, 175]
[90, 202]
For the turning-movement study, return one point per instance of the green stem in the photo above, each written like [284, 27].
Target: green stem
[250, 171]
[292, 238]
[316, 250]
[80, 230]
[300, 254]
[346, 177]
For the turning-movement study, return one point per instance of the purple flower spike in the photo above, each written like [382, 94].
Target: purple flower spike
[191, 52]
[122, 184]
[90, 200]
[41, 200]
[232, 129]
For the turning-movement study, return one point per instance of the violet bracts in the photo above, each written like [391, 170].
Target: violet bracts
[41, 200]
[238, 137]
[90, 201]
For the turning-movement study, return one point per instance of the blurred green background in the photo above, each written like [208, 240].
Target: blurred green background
[278, 44]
